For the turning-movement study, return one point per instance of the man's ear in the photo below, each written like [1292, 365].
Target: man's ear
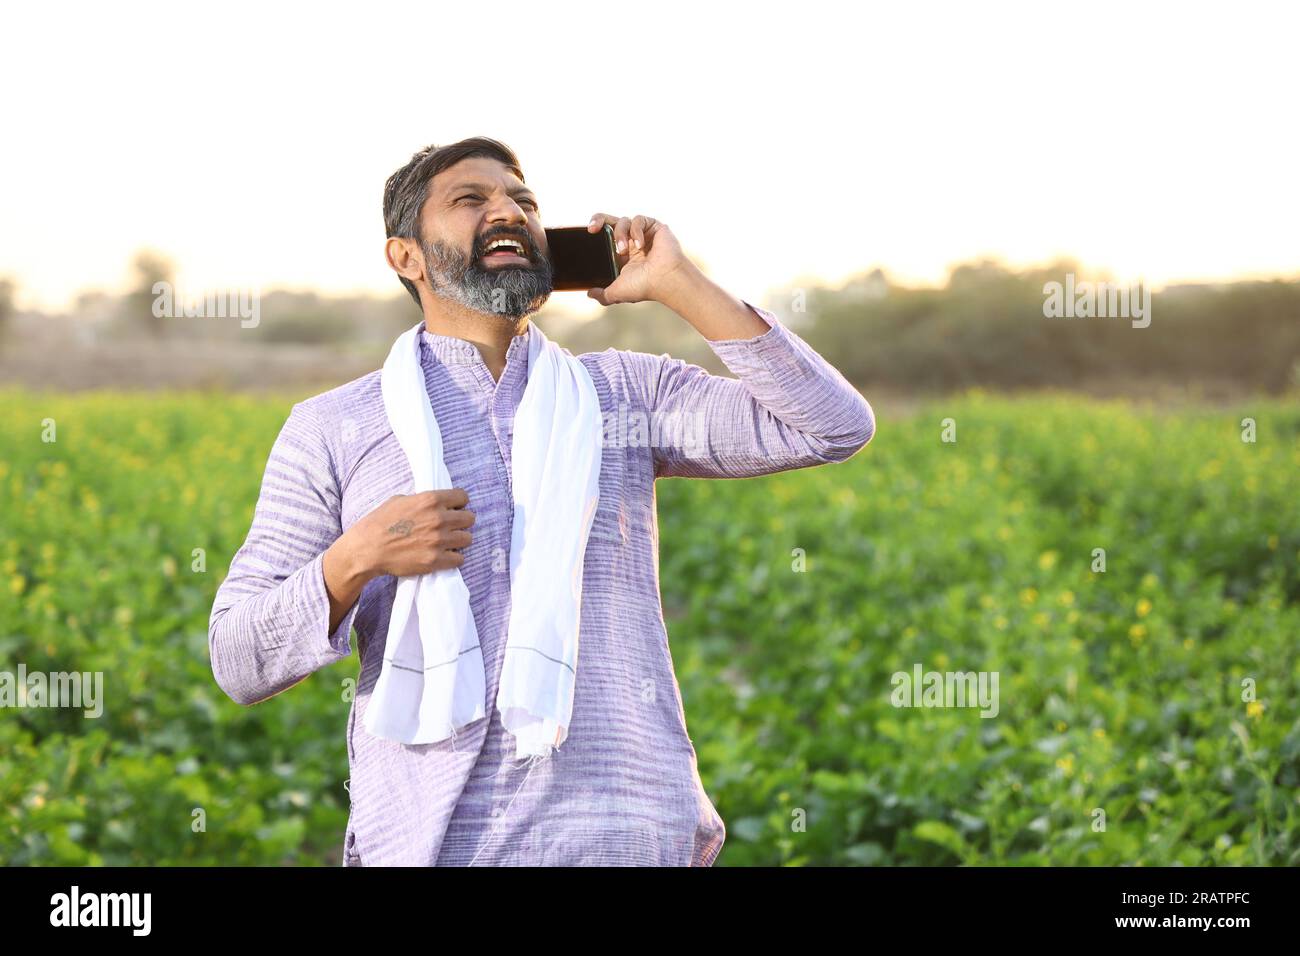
[404, 258]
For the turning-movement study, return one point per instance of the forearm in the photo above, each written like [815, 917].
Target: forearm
[789, 408]
[714, 312]
[346, 573]
[787, 377]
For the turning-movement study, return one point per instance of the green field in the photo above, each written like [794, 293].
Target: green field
[1120, 692]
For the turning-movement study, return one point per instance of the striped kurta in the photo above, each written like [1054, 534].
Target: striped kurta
[624, 788]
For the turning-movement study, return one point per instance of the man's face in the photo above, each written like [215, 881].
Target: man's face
[470, 207]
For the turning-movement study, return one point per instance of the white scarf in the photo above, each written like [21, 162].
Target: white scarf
[432, 681]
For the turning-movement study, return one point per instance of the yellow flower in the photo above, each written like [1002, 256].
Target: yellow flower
[1099, 733]
[1029, 595]
[1188, 643]
[1255, 709]
[1047, 560]
[1066, 598]
[1000, 623]
[1061, 726]
[1041, 619]
[1066, 765]
[986, 601]
[1272, 542]
[1004, 533]
[17, 583]
[1137, 632]
[1143, 607]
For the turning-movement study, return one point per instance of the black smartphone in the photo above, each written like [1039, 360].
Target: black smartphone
[582, 260]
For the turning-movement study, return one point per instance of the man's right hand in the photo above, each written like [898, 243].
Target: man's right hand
[413, 534]
[406, 535]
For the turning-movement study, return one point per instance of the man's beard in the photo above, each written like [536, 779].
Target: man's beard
[509, 291]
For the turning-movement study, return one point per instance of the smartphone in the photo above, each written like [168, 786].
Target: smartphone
[580, 259]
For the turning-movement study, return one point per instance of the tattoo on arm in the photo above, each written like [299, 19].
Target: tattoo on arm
[402, 528]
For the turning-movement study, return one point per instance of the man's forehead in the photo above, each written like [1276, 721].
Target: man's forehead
[487, 174]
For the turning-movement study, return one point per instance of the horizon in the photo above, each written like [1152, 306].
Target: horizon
[182, 294]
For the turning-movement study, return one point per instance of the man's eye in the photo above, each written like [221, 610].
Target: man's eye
[531, 203]
[470, 196]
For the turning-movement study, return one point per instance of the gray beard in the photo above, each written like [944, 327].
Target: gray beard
[508, 291]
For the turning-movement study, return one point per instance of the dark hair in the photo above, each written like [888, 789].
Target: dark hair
[407, 189]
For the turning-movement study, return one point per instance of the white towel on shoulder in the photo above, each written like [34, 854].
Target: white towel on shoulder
[432, 681]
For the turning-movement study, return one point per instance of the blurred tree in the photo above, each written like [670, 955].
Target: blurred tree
[149, 267]
[7, 289]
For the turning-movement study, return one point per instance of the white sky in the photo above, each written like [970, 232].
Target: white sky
[781, 142]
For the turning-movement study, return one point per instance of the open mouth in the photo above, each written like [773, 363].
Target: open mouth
[506, 252]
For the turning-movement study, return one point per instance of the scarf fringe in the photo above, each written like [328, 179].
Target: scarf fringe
[532, 760]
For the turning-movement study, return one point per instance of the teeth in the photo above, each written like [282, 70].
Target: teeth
[513, 244]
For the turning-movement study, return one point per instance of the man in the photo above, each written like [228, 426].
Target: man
[335, 527]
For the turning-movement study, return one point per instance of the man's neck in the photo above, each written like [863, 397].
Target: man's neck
[490, 334]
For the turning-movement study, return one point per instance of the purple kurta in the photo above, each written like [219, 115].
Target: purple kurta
[624, 788]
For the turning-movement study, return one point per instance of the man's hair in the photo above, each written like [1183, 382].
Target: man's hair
[407, 189]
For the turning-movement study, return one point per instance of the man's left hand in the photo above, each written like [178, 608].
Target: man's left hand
[649, 257]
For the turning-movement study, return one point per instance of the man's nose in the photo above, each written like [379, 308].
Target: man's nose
[508, 211]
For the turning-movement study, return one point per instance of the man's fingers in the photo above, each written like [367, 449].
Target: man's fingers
[459, 518]
[446, 560]
[447, 498]
[457, 540]
[602, 219]
[640, 227]
[622, 229]
[622, 235]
